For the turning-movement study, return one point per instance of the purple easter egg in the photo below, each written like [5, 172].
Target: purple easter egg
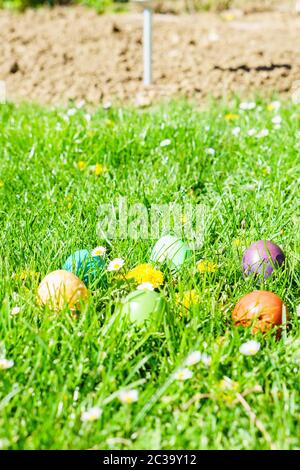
[262, 256]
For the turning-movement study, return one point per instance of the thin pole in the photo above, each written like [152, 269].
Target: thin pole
[147, 46]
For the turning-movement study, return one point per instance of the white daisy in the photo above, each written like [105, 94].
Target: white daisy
[165, 143]
[210, 151]
[250, 348]
[262, 133]
[128, 396]
[99, 251]
[236, 130]
[183, 374]
[71, 111]
[193, 358]
[107, 105]
[80, 104]
[115, 264]
[206, 359]
[246, 106]
[145, 286]
[15, 311]
[5, 364]
[277, 120]
[275, 105]
[91, 415]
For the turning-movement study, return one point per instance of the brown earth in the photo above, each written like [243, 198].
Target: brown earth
[53, 56]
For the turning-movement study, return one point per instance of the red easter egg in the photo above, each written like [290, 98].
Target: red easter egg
[261, 309]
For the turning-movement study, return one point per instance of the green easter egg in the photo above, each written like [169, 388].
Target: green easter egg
[84, 265]
[172, 250]
[140, 306]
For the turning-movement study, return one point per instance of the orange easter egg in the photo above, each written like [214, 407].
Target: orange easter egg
[261, 309]
[61, 287]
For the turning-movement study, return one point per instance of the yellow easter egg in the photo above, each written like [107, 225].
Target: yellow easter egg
[60, 288]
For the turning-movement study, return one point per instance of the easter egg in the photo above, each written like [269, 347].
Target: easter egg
[140, 306]
[60, 288]
[171, 250]
[260, 309]
[262, 257]
[84, 265]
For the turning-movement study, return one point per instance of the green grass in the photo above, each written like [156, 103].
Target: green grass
[49, 209]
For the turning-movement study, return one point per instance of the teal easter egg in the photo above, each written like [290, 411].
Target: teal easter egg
[141, 306]
[172, 250]
[84, 265]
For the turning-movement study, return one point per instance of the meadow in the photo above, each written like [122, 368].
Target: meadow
[64, 379]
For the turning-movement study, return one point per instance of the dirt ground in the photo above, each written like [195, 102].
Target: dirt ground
[53, 56]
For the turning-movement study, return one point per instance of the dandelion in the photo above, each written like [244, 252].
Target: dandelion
[235, 131]
[210, 151]
[145, 286]
[204, 266]
[262, 133]
[115, 264]
[81, 165]
[183, 374]
[146, 273]
[91, 415]
[15, 311]
[189, 298]
[249, 348]
[247, 106]
[98, 169]
[165, 143]
[99, 251]
[193, 358]
[6, 364]
[277, 120]
[231, 116]
[128, 396]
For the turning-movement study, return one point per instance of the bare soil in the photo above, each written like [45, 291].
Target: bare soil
[71, 53]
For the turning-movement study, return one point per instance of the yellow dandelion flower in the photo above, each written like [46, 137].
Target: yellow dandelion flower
[227, 390]
[99, 169]
[188, 298]
[205, 266]
[231, 116]
[146, 273]
[81, 165]
[23, 275]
